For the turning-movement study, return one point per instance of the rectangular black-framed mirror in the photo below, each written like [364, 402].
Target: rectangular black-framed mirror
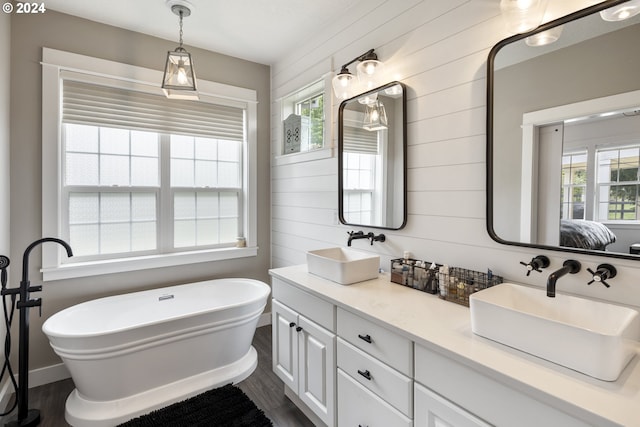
[372, 158]
[563, 135]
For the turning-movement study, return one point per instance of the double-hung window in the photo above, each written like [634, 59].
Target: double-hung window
[618, 183]
[142, 181]
[607, 179]
[574, 185]
[361, 161]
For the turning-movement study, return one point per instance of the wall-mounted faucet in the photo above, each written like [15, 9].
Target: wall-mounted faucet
[354, 235]
[536, 264]
[603, 273]
[570, 266]
[379, 238]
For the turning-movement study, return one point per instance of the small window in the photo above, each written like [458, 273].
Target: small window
[303, 114]
[312, 111]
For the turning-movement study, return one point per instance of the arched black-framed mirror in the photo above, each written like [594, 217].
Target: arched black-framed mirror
[372, 158]
[563, 136]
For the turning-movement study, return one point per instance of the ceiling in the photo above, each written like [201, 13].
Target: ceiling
[262, 31]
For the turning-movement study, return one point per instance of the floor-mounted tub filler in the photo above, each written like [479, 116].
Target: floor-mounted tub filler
[133, 353]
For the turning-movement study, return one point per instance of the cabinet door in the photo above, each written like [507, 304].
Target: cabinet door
[317, 369]
[285, 344]
[358, 406]
[432, 410]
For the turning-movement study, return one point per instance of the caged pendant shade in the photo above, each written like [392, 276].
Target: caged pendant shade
[179, 80]
[375, 117]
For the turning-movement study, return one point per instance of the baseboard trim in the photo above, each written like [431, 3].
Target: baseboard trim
[37, 377]
[48, 374]
[6, 391]
[265, 319]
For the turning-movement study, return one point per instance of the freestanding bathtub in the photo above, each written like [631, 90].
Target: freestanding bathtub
[133, 353]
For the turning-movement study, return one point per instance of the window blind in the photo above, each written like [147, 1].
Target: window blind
[98, 105]
[359, 140]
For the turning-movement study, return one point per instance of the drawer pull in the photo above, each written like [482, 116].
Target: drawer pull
[365, 374]
[298, 328]
[366, 338]
[291, 325]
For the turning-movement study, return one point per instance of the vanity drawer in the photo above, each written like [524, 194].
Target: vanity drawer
[313, 308]
[389, 347]
[357, 406]
[389, 384]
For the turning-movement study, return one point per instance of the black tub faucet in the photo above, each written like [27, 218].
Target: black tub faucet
[570, 266]
[26, 416]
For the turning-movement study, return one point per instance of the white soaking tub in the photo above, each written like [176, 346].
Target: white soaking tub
[132, 353]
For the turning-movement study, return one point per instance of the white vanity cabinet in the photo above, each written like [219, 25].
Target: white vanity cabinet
[375, 367]
[376, 354]
[304, 347]
[433, 410]
[451, 392]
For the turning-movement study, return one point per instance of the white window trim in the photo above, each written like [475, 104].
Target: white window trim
[329, 149]
[53, 268]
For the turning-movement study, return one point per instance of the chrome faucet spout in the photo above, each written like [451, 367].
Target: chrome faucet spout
[570, 266]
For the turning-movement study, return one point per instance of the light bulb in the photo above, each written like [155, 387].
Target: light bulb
[182, 74]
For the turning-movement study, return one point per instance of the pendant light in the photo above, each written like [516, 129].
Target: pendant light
[179, 80]
[522, 16]
[622, 11]
[375, 117]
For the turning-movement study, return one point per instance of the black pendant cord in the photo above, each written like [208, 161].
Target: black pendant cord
[8, 320]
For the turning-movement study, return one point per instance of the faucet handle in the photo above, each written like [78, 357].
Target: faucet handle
[536, 264]
[603, 273]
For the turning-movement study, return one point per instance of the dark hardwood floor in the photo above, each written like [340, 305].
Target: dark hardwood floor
[263, 387]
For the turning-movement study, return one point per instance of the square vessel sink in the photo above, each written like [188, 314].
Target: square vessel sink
[592, 337]
[343, 265]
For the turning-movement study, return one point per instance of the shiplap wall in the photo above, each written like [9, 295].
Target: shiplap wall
[438, 48]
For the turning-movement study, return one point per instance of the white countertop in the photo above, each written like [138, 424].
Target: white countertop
[445, 327]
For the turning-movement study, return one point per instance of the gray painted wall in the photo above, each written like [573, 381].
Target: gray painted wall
[5, 86]
[29, 33]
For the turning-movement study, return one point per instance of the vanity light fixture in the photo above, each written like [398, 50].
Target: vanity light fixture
[369, 70]
[179, 80]
[544, 38]
[521, 16]
[375, 117]
[621, 12]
